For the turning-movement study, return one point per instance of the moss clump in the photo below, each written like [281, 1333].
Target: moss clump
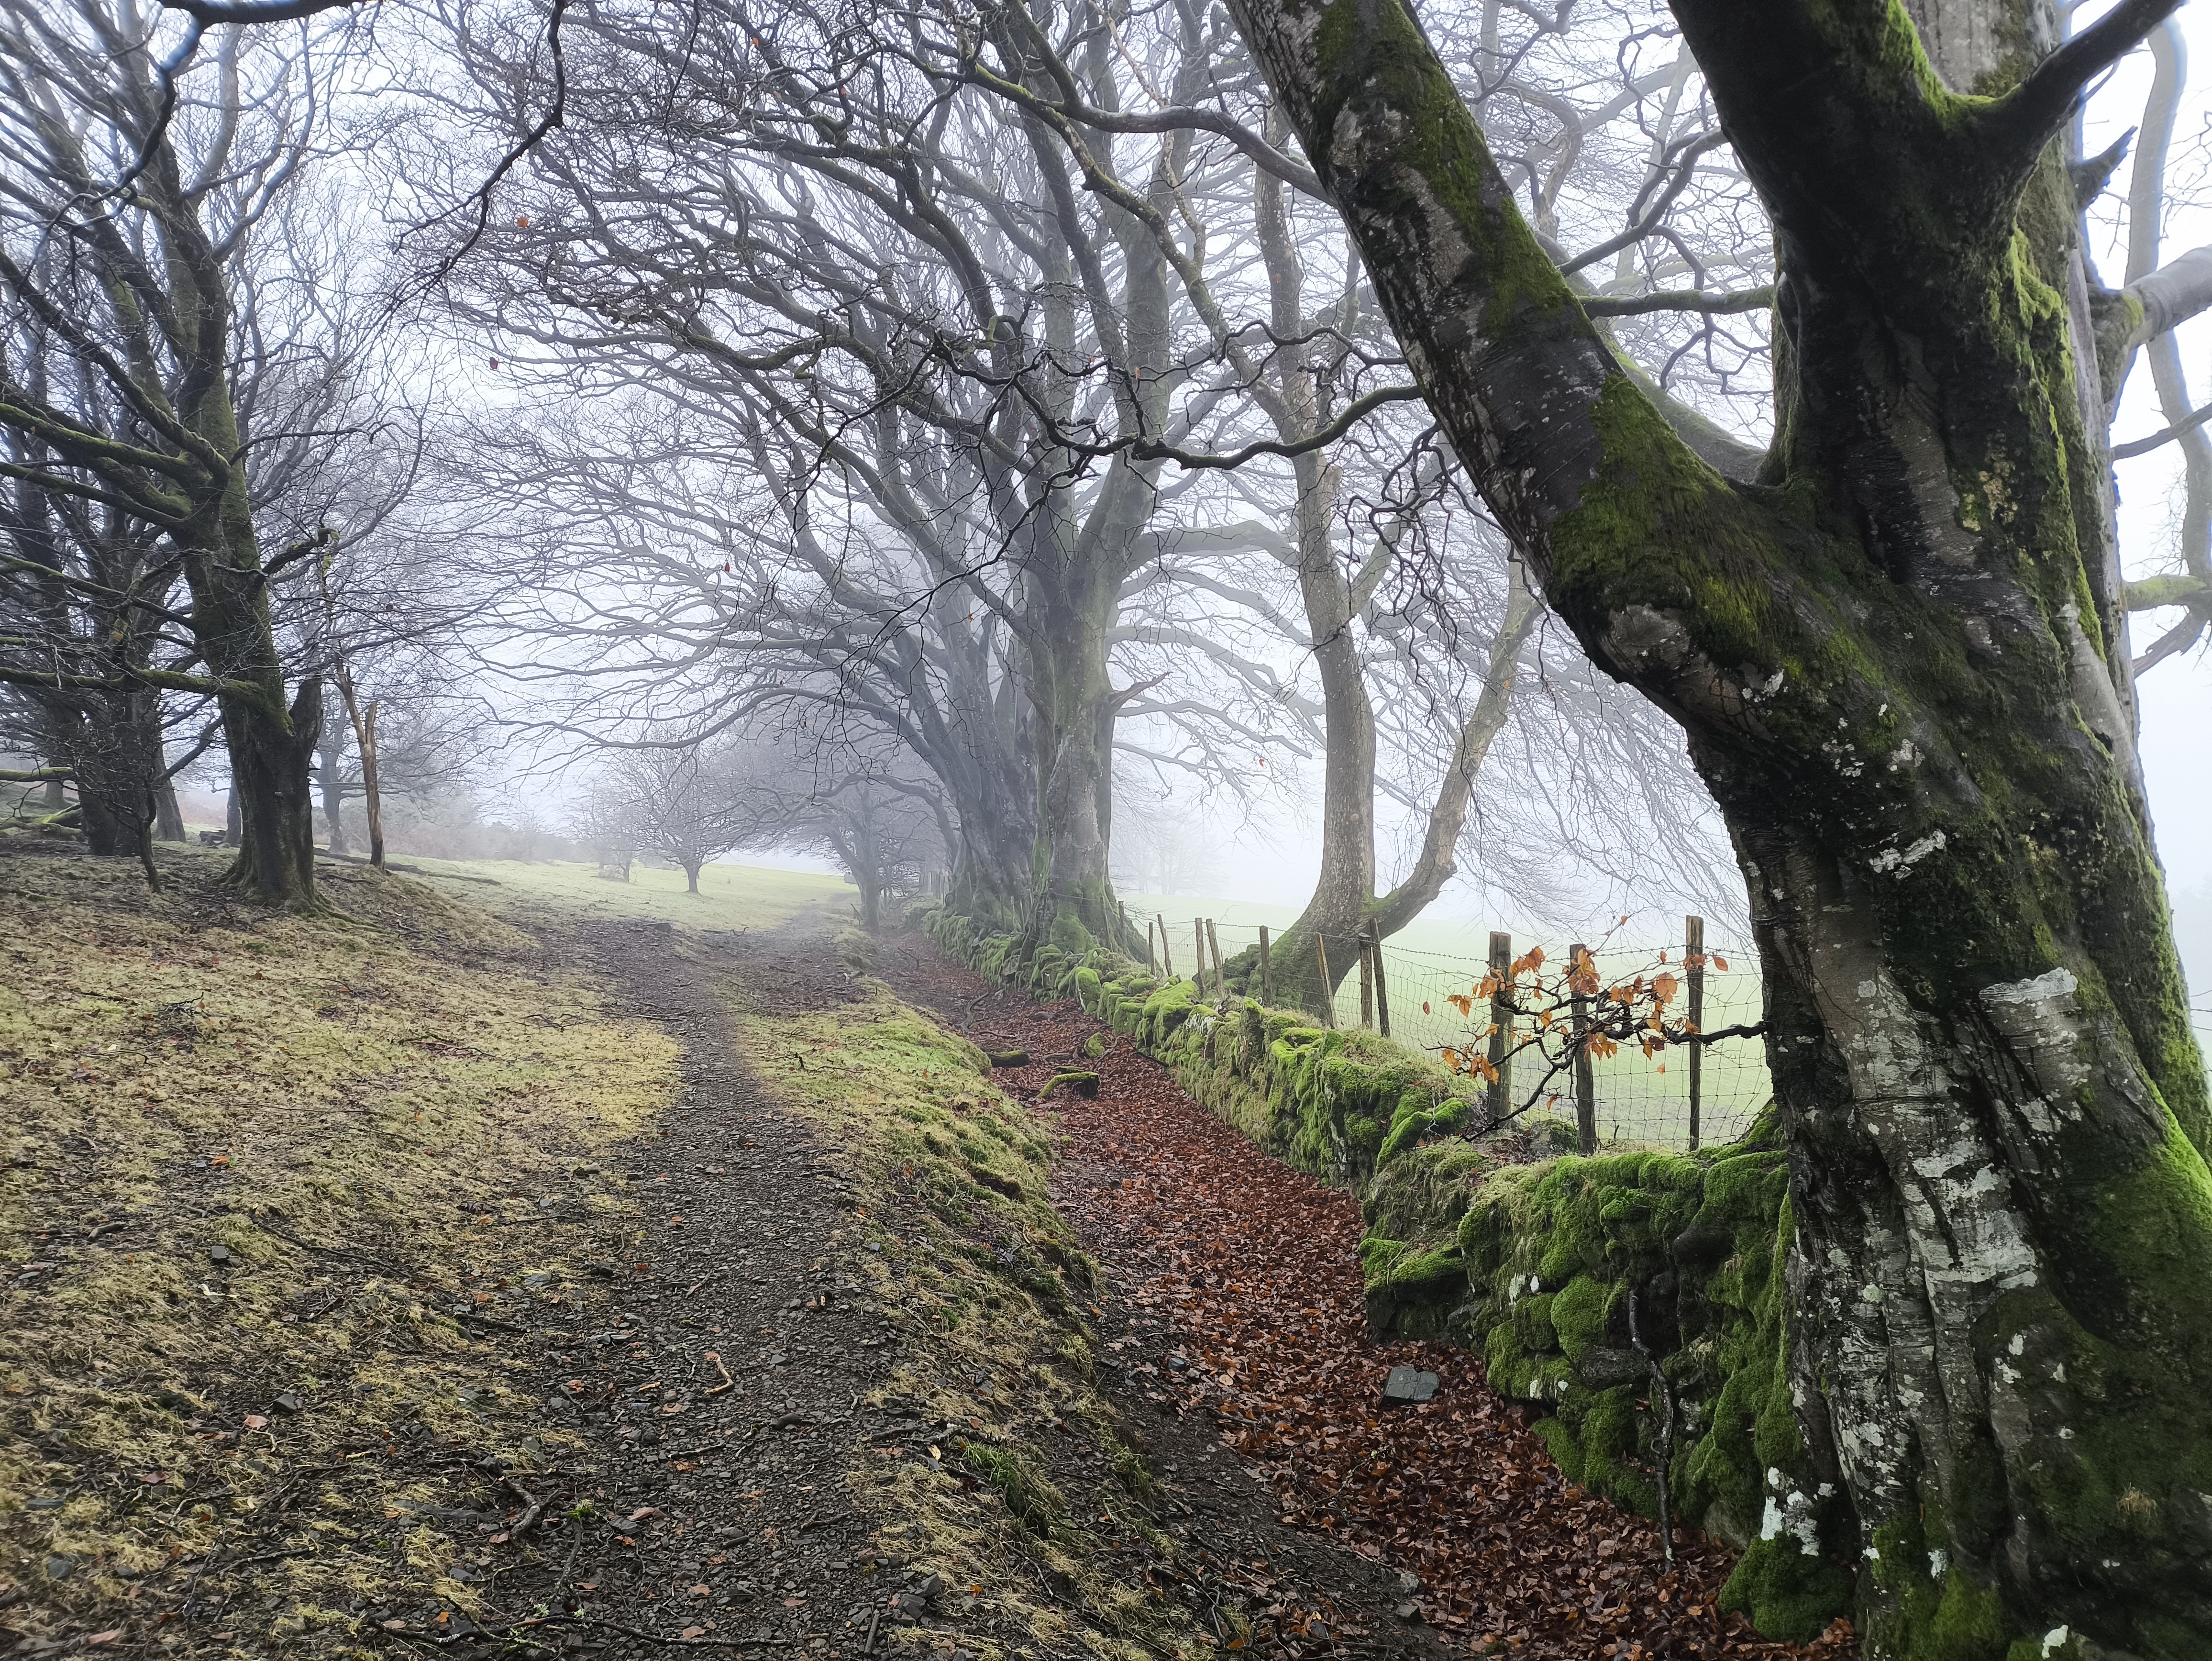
[1079, 1084]
[1793, 1594]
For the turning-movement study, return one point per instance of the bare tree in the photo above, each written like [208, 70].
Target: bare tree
[135, 176]
[684, 806]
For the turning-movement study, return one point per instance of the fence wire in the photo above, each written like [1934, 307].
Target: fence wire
[1640, 1101]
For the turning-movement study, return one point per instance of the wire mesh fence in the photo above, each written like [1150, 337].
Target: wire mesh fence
[1661, 1100]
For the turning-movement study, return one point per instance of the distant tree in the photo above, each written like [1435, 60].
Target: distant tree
[687, 806]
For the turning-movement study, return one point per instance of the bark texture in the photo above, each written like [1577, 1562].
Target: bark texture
[1898, 662]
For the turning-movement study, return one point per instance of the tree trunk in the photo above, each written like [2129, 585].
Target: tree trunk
[364, 737]
[1896, 662]
[1075, 895]
[168, 816]
[272, 798]
[329, 780]
[691, 874]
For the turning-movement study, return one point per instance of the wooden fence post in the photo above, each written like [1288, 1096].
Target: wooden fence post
[1151, 952]
[1267, 971]
[1366, 977]
[1327, 987]
[1198, 933]
[1501, 1018]
[1220, 975]
[1693, 958]
[1382, 981]
[1585, 1082]
[1167, 957]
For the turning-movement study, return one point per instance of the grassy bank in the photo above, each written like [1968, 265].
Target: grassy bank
[276, 1189]
[735, 898]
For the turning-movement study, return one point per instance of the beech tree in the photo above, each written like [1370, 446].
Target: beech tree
[1898, 656]
[134, 180]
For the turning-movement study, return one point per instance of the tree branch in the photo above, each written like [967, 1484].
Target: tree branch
[2034, 110]
[1715, 305]
[2136, 446]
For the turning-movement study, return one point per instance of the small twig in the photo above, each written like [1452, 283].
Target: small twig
[704, 1447]
[728, 1382]
[532, 1509]
[270, 1556]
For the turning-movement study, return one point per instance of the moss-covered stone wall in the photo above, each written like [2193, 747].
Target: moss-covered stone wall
[1533, 1265]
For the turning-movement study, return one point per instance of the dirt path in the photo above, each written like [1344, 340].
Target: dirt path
[720, 1391]
[724, 1514]
[1237, 1314]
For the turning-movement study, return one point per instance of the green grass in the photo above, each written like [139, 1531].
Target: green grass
[730, 897]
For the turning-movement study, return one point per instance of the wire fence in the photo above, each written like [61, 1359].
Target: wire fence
[1639, 1100]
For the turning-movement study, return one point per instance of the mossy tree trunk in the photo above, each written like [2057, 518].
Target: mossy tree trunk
[1897, 661]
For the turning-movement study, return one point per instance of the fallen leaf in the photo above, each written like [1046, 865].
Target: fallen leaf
[642, 1512]
[255, 1422]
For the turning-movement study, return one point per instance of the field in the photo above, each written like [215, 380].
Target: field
[731, 898]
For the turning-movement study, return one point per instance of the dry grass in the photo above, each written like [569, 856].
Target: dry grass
[378, 1119]
[987, 1278]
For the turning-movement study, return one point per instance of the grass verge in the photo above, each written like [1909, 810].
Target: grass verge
[1031, 1504]
[277, 1190]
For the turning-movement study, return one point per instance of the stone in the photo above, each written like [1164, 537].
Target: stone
[288, 1402]
[219, 1254]
[59, 1568]
[1406, 1385]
